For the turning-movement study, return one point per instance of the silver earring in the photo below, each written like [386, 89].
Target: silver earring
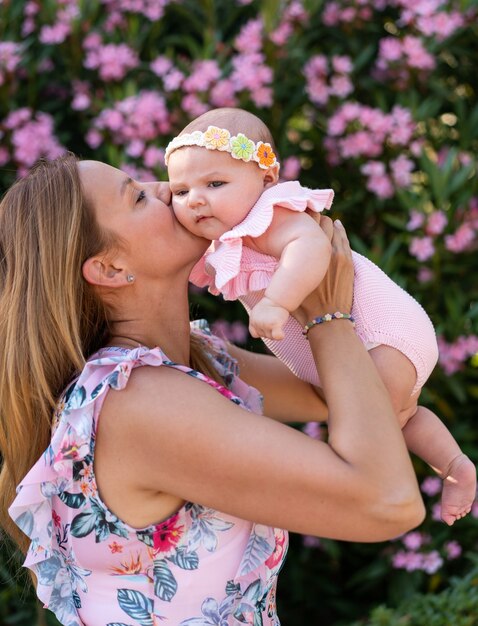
[130, 278]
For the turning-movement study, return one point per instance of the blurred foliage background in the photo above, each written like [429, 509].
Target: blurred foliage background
[374, 98]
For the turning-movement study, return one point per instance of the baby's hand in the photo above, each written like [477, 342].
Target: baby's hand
[267, 319]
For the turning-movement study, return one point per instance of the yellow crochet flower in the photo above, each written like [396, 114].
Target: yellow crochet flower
[265, 155]
[216, 138]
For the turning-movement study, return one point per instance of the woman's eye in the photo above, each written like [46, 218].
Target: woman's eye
[216, 183]
[141, 196]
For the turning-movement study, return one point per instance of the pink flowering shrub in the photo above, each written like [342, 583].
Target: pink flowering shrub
[374, 98]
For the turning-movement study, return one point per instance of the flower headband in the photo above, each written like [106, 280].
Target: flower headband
[239, 146]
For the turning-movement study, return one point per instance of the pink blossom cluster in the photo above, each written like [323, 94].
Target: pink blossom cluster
[31, 8]
[56, 33]
[112, 61]
[133, 122]
[359, 131]
[292, 15]
[32, 137]
[423, 248]
[152, 9]
[249, 70]
[454, 354]
[10, 57]
[236, 332]
[351, 11]
[399, 59]
[432, 18]
[463, 239]
[429, 562]
[326, 78]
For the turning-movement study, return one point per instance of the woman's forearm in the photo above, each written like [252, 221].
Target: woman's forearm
[363, 429]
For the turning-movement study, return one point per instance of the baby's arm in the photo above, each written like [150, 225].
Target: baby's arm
[304, 252]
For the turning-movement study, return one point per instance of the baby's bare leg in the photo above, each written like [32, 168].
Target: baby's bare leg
[426, 436]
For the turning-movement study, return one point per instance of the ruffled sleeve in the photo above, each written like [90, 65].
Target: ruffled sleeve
[222, 263]
[52, 475]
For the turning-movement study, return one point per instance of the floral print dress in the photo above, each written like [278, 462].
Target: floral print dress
[199, 567]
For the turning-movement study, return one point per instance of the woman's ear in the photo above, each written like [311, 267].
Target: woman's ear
[100, 272]
[271, 176]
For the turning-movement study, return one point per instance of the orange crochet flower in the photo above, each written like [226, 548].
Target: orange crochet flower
[265, 155]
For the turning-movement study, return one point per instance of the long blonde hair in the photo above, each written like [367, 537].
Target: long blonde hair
[51, 320]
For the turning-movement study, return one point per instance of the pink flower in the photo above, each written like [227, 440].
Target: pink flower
[250, 37]
[422, 248]
[173, 80]
[204, 74]
[461, 240]
[416, 220]
[425, 275]
[281, 35]
[10, 57]
[390, 49]
[193, 105]
[55, 34]
[431, 562]
[414, 540]
[313, 430]
[436, 223]
[342, 64]
[431, 486]
[341, 86]
[401, 168]
[223, 94]
[113, 61]
[161, 65]
[453, 549]
[56, 519]
[290, 168]
[93, 138]
[167, 536]
[152, 157]
[280, 545]
[4, 156]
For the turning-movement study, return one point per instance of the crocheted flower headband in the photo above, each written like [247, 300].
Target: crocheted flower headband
[239, 146]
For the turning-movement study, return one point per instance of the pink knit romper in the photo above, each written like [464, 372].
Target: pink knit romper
[385, 314]
[197, 567]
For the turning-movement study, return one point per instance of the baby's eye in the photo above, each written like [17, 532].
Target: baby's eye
[216, 183]
[180, 192]
[141, 196]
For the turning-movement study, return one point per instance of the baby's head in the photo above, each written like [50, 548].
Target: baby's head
[218, 167]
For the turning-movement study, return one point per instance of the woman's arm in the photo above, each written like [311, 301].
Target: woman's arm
[287, 398]
[169, 432]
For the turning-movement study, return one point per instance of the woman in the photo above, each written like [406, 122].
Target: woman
[159, 495]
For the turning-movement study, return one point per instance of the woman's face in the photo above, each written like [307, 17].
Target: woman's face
[140, 215]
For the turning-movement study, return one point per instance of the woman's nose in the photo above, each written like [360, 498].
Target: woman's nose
[163, 192]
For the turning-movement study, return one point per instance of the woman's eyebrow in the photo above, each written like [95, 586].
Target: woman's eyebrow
[124, 185]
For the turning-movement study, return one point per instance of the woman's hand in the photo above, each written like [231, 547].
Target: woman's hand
[335, 292]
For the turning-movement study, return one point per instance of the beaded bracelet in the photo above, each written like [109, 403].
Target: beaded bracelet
[328, 317]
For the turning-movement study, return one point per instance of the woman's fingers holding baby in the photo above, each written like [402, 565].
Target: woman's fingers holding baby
[335, 292]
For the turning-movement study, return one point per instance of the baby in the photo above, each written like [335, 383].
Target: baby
[224, 173]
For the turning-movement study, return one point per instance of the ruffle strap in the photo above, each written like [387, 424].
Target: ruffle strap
[222, 263]
[52, 475]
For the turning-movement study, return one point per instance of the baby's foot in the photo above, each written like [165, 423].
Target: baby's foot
[459, 489]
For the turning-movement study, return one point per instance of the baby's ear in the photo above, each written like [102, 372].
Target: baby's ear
[271, 176]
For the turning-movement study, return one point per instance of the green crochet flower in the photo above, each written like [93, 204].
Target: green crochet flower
[242, 147]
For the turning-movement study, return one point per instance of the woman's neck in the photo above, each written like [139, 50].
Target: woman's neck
[151, 319]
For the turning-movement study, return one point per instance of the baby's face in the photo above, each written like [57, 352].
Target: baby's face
[212, 191]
